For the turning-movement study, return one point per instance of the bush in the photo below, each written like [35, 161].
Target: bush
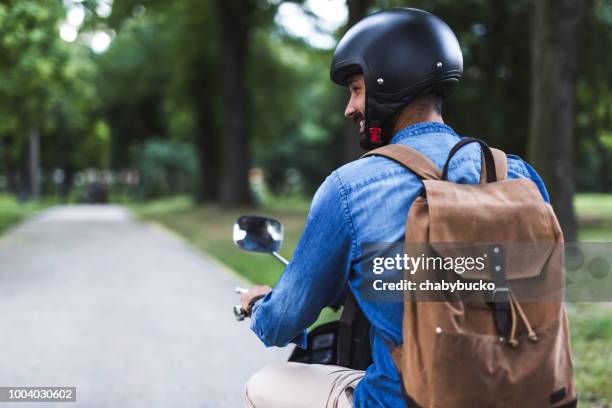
[13, 211]
[166, 168]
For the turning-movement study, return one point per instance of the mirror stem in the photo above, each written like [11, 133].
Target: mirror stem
[280, 258]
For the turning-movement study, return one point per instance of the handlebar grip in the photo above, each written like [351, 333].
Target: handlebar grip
[239, 313]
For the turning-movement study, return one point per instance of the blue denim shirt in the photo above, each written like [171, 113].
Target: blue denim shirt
[364, 201]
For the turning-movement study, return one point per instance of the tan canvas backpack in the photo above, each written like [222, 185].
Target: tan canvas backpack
[509, 348]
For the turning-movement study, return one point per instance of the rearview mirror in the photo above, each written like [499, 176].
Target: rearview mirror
[258, 234]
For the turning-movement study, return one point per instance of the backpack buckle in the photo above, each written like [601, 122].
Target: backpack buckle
[501, 296]
[500, 307]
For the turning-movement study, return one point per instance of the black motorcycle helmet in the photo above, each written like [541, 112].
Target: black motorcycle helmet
[402, 53]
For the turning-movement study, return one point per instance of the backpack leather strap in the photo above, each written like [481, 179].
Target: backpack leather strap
[345, 332]
[501, 166]
[410, 158]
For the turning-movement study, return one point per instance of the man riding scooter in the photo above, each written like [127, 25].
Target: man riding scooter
[398, 65]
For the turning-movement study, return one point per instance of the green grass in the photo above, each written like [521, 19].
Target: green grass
[591, 323]
[594, 216]
[593, 205]
[595, 234]
[12, 212]
[210, 228]
[591, 331]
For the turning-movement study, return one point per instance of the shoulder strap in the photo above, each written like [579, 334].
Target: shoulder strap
[345, 330]
[410, 158]
[501, 166]
[426, 169]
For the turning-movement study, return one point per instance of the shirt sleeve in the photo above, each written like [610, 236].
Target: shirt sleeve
[317, 275]
[518, 168]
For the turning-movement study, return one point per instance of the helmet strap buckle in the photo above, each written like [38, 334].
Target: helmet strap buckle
[375, 135]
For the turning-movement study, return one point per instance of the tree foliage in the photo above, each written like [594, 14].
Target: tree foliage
[162, 80]
[47, 85]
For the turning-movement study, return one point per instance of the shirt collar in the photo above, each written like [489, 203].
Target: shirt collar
[422, 128]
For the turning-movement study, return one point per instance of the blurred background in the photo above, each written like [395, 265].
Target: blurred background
[190, 113]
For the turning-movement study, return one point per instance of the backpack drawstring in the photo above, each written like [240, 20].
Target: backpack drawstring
[515, 307]
[530, 332]
[513, 342]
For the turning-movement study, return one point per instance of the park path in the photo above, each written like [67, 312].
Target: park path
[124, 311]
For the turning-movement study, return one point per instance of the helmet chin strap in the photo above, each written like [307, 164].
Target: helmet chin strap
[377, 127]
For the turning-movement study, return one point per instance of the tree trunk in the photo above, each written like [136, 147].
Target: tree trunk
[208, 167]
[602, 167]
[208, 142]
[351, 150]
[34, 163]
[234, 23]
[10, 171]
[66, 184]
[557, 28]
[603, 170]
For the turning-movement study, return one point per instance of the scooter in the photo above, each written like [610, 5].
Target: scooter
[344, 342]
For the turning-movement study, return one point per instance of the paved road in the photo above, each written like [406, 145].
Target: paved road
[124, 311]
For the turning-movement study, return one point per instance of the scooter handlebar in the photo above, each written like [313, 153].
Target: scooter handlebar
[239, 313]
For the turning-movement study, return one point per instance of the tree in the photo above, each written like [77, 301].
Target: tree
[234, 21]
[132, 79]
[557, 30]
[594, 105]
[196, 84]
[77, 137]
[30, 57]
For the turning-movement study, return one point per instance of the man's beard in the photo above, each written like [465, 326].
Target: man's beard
[360, 122]
[364, 137]
[364, 141]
